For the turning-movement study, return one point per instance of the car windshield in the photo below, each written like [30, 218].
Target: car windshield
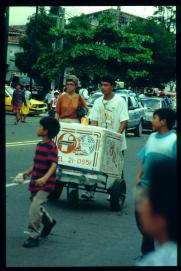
[94, 97]
[151, 103]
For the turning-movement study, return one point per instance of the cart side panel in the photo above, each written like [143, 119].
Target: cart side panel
[80, 146]
[112, 161]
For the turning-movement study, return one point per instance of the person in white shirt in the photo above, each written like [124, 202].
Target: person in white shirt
[158, 213]
[48, 98]
[53, 103]
[110, 112]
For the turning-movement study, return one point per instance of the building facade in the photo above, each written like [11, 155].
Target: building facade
[124, 19]
[14, 35]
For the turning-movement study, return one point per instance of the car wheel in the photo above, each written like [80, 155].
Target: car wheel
[117, 195]
[55, 194]
[139, 130]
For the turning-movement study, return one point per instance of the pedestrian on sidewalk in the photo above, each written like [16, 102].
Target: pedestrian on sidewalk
[48, 98]
[110, 112]
[18, 99]
[53, 104]
[161, 144]
[26, 105]
[158, 213]
[43, 178]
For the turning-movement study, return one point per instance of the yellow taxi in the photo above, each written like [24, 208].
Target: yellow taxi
[36, 107]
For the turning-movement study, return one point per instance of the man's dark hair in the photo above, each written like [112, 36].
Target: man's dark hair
[109, 79]
[168, 114]
[163, 193]
[50, 124]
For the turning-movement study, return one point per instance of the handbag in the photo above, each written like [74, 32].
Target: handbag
[81, 111]
[24, 109]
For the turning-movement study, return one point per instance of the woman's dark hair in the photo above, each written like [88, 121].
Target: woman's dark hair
[50, 124]
[163, 193]
[168, 114]
[109, 79]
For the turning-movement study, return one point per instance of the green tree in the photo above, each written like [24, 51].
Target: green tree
[92, 52]
[26, 60]
[166, 16]
[163, 47]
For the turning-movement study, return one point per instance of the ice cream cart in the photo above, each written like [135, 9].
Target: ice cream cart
[89, 156]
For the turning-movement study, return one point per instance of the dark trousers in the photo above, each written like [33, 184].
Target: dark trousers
[147, 241]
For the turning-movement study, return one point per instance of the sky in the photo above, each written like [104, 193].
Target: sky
[19, 15]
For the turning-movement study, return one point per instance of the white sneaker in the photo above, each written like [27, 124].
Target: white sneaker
[88, 195]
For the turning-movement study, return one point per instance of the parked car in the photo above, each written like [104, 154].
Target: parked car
[36, 107]
[135, 109]
[136, 113]
[125, 91]
[151, 104]
[92, 98]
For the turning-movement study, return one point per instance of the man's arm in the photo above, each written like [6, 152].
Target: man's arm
[122, 126]
[41, 181]
[139, 174]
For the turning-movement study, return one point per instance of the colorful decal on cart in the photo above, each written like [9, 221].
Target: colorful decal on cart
[78, 148]
[67, 143]
[86, 145]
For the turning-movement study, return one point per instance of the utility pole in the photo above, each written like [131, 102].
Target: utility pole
[59, 42]
[118, 16]
[33, 46]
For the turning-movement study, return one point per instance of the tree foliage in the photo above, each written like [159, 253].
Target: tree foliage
[145, 50]
[92, 52]
[36, 44]
[166, 17]
[163, 47]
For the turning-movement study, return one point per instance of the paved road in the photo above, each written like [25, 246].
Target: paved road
[90, 235]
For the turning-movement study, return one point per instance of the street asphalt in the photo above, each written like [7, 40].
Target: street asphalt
[90, 235]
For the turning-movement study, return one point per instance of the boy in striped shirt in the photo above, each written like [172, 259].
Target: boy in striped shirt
[43, 178]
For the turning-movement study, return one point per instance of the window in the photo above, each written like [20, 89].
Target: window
[134, 101]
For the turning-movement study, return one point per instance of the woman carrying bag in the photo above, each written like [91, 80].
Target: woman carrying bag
[25, 109]
[71, 107]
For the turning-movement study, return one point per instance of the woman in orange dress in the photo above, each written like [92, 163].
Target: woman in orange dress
[68, 102]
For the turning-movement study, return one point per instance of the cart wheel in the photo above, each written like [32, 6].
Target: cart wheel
[73, 198]
[117, 195]
[55, 194]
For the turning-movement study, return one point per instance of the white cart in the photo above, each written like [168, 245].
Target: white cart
[89, 156]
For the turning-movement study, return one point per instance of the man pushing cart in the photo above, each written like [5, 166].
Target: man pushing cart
[92, 157]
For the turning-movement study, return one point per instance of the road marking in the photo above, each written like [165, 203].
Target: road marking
[15, 184]
[21, 143]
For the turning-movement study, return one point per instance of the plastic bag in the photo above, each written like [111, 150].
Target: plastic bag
[85, 120]
[24, 110]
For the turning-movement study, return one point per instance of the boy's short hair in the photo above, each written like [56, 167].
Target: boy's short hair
[109, 79]
[162, 193]
[50, 124]
[168, 114]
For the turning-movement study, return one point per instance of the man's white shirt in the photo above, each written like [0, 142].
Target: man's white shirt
[110, 113]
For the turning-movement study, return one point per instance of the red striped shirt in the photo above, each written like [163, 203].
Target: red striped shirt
[45, 155]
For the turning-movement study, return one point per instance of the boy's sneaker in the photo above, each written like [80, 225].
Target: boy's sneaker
[31, 242]
[88, 195]
[47, 229]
